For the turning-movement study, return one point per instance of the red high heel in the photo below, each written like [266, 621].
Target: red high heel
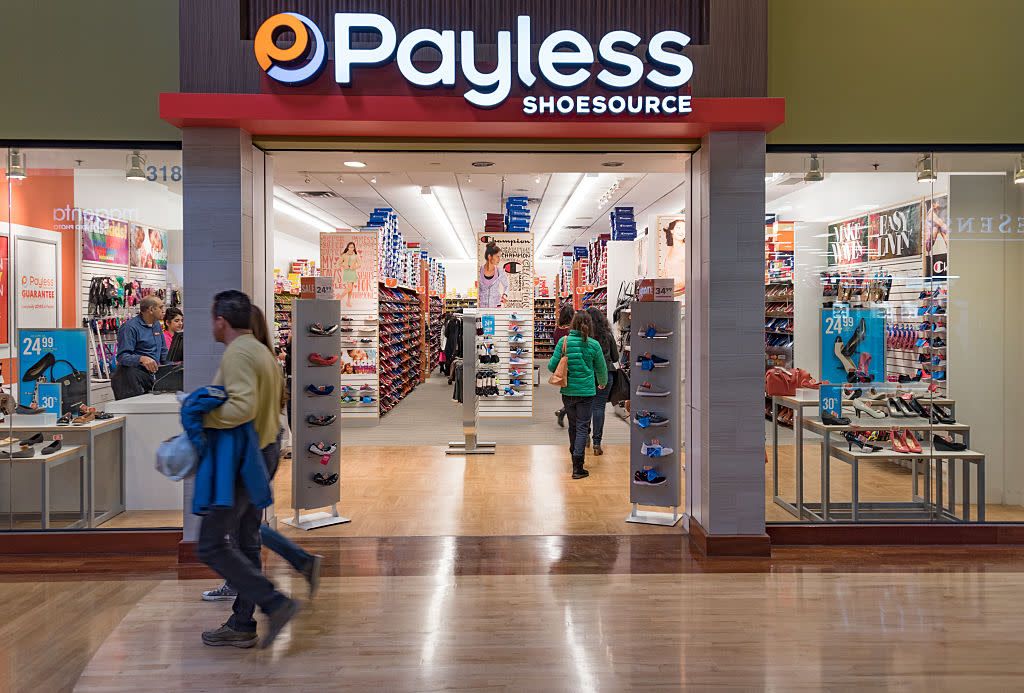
[911, 441]
[899, 444]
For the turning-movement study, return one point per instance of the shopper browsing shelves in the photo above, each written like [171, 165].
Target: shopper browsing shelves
[603, 335]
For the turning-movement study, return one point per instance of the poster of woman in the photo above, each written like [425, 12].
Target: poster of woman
[505, 275]
[672, 250]
[492, 281]
[350, 258]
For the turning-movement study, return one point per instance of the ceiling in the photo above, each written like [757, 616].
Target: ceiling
[570, 194]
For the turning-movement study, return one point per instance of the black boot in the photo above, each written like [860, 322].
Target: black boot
[560, 415]
[578, 472]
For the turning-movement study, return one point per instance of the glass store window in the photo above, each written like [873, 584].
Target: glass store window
[896, 279]
[85, 236]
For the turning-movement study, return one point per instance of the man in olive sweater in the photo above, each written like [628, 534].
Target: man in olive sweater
[252, 379]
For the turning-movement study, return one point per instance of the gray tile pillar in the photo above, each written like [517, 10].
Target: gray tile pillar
[218, 246]
[725, 335]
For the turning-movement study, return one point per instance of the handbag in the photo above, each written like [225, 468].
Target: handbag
[74, 387]
[619, 386]
[560, 377]
[779, 382]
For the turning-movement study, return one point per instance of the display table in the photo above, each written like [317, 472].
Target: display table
[46, 463]
[105, 445]
[150, 420]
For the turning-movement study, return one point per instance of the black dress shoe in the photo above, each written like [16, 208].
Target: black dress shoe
[947, 444]
[830, 420]
[856, 338]
[37, 369]
[53, 447]
[37, 438]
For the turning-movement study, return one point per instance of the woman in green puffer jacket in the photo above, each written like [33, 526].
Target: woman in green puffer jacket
[586, 364]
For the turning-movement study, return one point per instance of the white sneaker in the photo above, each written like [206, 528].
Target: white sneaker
[224, 593]
[653, 449]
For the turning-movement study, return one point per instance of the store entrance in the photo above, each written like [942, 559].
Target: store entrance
[420, 249]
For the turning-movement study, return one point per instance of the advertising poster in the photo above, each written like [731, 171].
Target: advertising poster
[936, 237]
[5, 280]
[35, 283]
[53, 369]
[671, 234]
[103, 240]
[853, 345]
[358, 361]
[848, 242]
[895, 233]
[148, 247]
[350, 258]
[505, 270]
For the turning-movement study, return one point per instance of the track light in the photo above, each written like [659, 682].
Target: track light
[926, 169]
[374, 180]
[814, 173]
[1018, 175]
[136, 168]
[16, 165]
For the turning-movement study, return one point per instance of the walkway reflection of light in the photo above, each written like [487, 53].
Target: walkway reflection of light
[444, 587]
[578, 653]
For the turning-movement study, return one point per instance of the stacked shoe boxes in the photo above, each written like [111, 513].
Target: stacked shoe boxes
[517, 214]
[623, 224]
[598, 268]
[495, 223]
[389, 241]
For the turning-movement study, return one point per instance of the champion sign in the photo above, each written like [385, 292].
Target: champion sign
[565, 60]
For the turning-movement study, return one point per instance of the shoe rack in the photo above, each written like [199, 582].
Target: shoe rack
[358, 331]
[544, 327]
[508, 324]
[401, 343]
[665, 316]
[779, 322]
[436, 309]
[306, 493]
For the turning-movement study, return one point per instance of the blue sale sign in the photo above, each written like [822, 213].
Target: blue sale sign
[53, 369]
[488, 321]
[853, 345]
[830, 400]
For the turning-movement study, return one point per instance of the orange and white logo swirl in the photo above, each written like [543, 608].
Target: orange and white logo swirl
[294, 64]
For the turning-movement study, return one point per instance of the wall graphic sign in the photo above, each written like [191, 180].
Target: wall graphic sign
[936, 237]
[853, 345]
[103, 239]
[895, 233]
[848, 242]
[53, 369]
[148, 248]
[35, 283]
[350, 257]
[505, 280]
[5, 280]
[672, 250]
[662, 66]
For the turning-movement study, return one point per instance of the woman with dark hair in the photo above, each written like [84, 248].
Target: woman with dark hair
[586, 364]
[349, 273]
[493, 282]
[604, 336]
[174, 322]
[565, 314]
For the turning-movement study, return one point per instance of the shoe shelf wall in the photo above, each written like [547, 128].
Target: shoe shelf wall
[401, 339]
[778, 334]
[933, 491]
[595, 298]
[358, 333]
[283, 317]
[513, 331]
[307, 493]
[655, 451]
[434, 333]
[544, 318]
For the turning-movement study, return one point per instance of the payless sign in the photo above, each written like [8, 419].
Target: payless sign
[565, 60]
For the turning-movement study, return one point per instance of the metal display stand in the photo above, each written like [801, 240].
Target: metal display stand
[307, 494]
[665, 316]
[470, 401]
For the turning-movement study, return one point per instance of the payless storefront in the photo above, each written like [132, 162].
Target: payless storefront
[554, 79]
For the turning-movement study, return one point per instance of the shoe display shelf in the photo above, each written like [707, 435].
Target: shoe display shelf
[778, 334]
[509, 324]
[283, 317]
[307, 494]
[401, 315]
[434, 333]
[658, 480]
[595, 298]
[933, 490]
[544, 318]
[358, 331]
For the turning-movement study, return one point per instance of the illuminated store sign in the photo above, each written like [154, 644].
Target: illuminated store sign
[662, 67]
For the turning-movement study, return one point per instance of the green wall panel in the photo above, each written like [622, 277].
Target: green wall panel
[87, 69]
[897, 71]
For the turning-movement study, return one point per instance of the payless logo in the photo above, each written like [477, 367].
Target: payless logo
[299, 63]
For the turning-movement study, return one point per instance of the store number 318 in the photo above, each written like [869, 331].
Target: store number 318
[161, 173]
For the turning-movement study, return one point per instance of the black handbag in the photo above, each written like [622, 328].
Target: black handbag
[619, 386]
[74, 387]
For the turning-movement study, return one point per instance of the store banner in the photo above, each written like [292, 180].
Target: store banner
[350, 258]
[53, 368]
[848, 242]
[936, 237]
[358, 361]
[35, 279]
[672, 250]
[103, 239]
[505, 279]
[148, 248]
[895, 233]
[5, 281]
[830, 400]
[853, 345]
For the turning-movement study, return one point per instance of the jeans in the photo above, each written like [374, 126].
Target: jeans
[237, 559]
[282, 546]
[578, 409]
[600, 400]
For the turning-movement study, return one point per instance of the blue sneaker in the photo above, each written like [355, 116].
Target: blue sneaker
[645, 419]
[648, 477]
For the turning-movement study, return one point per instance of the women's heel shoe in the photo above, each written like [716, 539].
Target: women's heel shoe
[898, 442]
[860, 406]
[911, 441]
[894, 409]
[848, 365]
[856, 338]
[904, 407]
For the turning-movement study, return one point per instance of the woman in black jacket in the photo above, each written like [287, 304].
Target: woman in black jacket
[604, 336]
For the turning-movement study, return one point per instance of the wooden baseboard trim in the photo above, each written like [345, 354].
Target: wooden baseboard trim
[187, 553]
[102, 541]
[754, 545]
[894, 535]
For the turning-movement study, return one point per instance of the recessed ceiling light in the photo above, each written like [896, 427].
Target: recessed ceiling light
[374, 180]
[537, 179]
[355, 164]
[612, 164]
[483, 164]
[340, 180]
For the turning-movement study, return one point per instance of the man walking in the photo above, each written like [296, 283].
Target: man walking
[252, 381]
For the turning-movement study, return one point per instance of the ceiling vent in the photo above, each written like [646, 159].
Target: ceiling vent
[317, 194]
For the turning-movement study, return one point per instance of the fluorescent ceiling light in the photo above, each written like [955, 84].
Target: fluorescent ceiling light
[435, 206]
[571, 209]
[355, 164]
[302, 215]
